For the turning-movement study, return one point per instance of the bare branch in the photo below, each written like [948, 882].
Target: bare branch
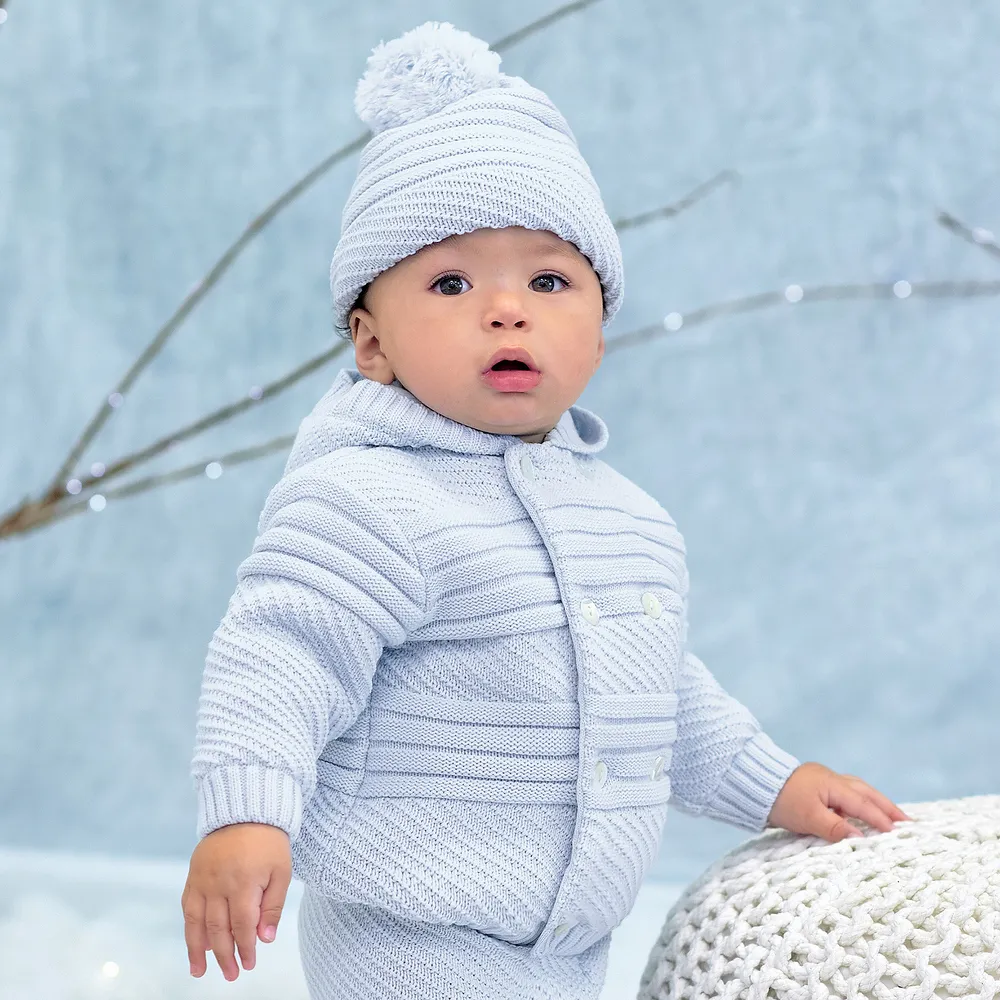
[193, 297]
[821, 293]
[543, 22]
[701, 191]
[35, 515]
[136, 458]
[978, 237]
[198, 468]
[201, 289]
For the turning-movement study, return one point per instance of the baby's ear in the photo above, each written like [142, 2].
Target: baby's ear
[359, 323]
[368, 356]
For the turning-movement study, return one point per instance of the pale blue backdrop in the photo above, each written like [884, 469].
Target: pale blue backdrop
[833, 466]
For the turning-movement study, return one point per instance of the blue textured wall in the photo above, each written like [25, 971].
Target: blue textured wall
[832, 466]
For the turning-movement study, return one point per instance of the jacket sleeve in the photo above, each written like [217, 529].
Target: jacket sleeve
[331, 581]
[724, 766]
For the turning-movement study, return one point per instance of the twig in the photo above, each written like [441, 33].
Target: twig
[543, 22]
[978, 237]
[677, 207]
[136, 458]
[32, 520]
[822, 293]
[193, 297]
[201, 289]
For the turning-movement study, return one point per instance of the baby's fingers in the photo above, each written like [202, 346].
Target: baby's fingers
[220, 936]
[243, 913]
[193, 905]
[887, 805]
[273, 901]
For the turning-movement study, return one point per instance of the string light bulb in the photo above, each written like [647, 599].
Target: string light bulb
[98, 502]
[213, 470]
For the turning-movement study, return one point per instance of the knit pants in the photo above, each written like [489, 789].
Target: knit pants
[355, 952]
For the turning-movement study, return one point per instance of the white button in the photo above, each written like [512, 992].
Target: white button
[657, 771]
[651, 605]
[587, 468]
[600, 774]
[526, 467]
[560, 930]
[589, 611]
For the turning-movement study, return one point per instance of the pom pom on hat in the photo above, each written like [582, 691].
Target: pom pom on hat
[423, 71]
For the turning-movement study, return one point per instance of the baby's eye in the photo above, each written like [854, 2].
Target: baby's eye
[555, 276]
[450, 279]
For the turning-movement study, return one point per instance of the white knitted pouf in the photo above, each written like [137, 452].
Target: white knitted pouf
[914, 913]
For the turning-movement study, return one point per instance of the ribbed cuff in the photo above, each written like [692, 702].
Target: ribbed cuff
[756, 775]
[249, 794]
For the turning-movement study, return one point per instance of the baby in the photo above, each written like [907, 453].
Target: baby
[452, 691]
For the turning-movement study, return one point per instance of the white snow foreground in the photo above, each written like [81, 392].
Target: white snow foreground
[84, 927]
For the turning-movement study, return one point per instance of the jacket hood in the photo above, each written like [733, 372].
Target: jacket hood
[357, 411]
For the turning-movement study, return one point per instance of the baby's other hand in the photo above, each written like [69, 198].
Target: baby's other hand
[236, 887]
[816, 800]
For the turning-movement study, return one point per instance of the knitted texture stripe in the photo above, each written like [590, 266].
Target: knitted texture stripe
[454, 671]
[911, 913]
[458, 146]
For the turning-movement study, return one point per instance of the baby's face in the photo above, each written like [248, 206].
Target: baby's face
[435, 319]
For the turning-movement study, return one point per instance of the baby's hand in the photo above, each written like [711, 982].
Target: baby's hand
[817, 801]
[236, 887]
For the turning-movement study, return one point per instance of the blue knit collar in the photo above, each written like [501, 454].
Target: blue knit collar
[359, 411]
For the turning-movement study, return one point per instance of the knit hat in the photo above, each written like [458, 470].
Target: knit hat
[458, 146]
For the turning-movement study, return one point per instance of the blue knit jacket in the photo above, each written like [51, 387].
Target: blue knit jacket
[454, 671]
